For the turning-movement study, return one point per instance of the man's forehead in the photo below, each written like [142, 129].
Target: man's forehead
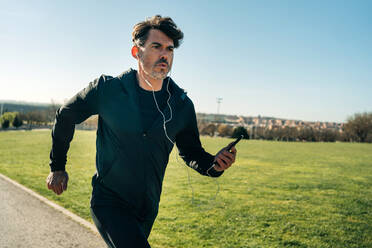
[157, 36]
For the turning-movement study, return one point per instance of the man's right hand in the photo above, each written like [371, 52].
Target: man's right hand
[57, 181]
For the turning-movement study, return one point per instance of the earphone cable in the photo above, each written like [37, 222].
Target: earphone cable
[173, 142]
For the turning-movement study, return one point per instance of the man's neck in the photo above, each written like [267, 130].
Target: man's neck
[142, 77]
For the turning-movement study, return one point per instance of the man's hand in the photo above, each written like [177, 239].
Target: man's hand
[57, 181]
[224, 159]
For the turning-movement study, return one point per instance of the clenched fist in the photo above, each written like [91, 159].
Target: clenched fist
[57, 181]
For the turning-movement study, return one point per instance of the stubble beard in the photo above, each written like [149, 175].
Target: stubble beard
[157, 75]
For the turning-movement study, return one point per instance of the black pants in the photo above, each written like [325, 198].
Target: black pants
[119, 228]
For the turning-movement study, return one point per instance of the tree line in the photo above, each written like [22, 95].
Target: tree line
[358, 128]
[44, 117]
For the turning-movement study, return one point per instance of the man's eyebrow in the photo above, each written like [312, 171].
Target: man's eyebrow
[157, 43]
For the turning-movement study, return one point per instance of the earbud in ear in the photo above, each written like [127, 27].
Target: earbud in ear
[135, 52]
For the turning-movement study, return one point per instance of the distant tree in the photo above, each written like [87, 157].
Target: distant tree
[17, 122]
[293, 134]
[314, 134]
[260, 133]
[37, 117]
[342, 136]
[8, 116]
[306, 134]
[22, 117]
[201, 125]
[369, 137]
[225, 130]
[279, 134]
[328, 135]
[359, 126]
[5, 123]
[257, 132]
[240, 131]
[269, 134]
[289, 133]
[318, 134]
[210, 129]
[51, 111]
[301, 134]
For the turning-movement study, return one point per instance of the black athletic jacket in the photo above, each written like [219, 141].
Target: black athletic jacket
[129, 161]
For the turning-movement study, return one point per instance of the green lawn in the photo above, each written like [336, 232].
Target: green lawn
[276, 195]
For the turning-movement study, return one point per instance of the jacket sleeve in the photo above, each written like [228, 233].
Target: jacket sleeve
[191, 150]
[76, 110]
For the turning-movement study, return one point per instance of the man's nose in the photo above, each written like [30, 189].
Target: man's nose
[165, 54]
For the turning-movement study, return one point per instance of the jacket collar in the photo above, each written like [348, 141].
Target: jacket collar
[129, 81]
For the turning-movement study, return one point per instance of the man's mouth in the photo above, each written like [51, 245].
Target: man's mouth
[162, 65]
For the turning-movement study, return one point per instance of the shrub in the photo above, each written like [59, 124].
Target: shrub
[225, 130]
[5, 124]
[17, 122]
[240, 131]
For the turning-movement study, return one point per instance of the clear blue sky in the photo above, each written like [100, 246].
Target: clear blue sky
[309, 60]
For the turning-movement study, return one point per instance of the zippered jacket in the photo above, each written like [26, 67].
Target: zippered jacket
[131, 161]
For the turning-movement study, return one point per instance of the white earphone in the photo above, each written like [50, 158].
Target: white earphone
[166, 133]
[157, 105]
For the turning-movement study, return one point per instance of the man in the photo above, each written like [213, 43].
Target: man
[142, 114]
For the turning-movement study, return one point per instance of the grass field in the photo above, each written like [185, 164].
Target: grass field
[277, 194]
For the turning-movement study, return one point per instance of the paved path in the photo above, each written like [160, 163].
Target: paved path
[25, 221]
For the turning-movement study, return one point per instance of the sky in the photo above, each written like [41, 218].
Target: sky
[303, 60]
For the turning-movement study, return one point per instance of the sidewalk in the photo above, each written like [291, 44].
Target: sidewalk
[25, 221]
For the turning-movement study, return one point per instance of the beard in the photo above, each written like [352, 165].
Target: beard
[158, 75]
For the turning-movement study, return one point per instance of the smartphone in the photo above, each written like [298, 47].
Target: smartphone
[234, 143]
[231, 146]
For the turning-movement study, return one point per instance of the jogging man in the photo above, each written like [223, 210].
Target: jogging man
[141, 116]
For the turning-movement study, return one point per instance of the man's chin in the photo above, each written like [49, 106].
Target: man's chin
[159, 75]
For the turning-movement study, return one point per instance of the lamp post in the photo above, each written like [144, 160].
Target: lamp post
[219, 100]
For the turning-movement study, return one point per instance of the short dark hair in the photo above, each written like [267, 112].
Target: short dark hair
[165, 24]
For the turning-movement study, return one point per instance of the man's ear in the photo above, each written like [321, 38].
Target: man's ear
[135, 51]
